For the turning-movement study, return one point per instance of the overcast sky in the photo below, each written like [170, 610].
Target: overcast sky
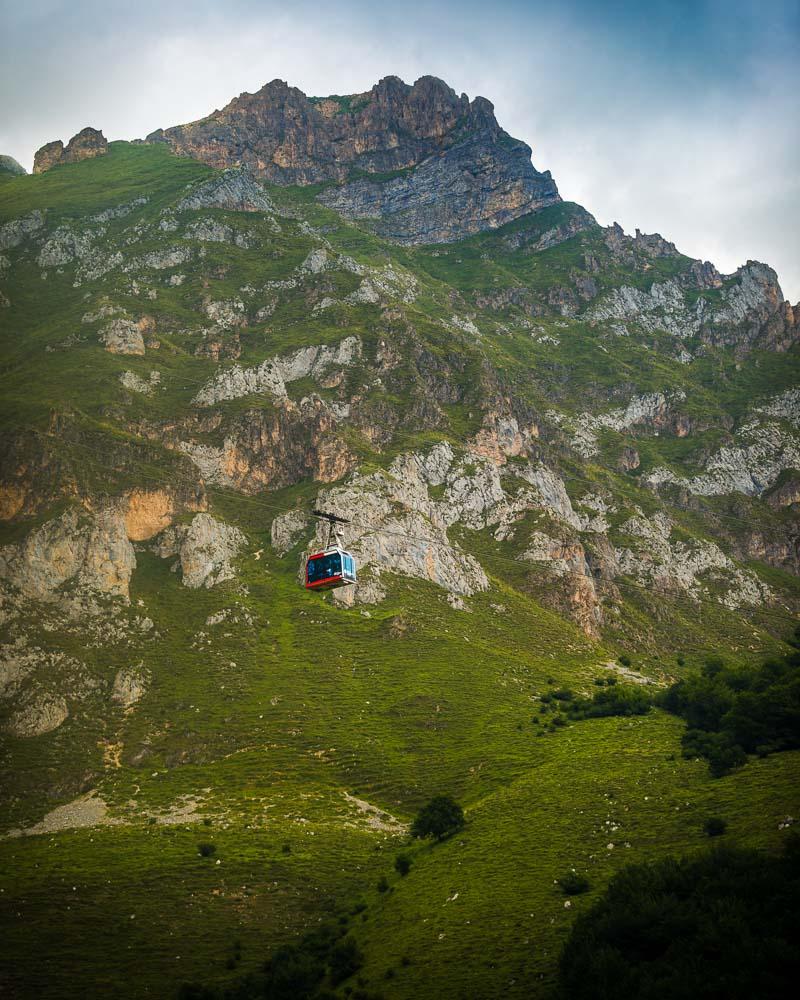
[678, 117]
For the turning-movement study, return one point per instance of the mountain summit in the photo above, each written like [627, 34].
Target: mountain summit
[426, 165]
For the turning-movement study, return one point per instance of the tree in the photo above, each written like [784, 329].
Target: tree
[722, 924]
[440, 818]
[402, 864]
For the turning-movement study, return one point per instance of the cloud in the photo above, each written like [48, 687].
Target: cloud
[675, 117]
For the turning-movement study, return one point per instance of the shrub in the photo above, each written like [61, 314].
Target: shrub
[345, 959]
[292, 972]
[732, 914]
[563, 694]
[440, 818]
[624, 660]
[402, 864]
[207, 850]
[286, 848]
[573, 884]
[730, 712]
[383, 884]
[715, 826]
[622, 699]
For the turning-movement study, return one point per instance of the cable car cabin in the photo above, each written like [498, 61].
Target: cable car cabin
[332, 568]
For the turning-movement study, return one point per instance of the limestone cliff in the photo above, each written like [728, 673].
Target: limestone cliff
[453, 170]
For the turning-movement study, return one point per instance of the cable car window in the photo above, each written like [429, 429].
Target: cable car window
[324, 567]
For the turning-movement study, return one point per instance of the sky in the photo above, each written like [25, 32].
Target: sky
[674, 117]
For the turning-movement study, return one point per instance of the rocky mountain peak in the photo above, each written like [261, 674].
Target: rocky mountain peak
[452, 169]
[83, 145]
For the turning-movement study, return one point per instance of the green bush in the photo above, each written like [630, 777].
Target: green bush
[573, 884]
[402, 864]
[624, 660]
[715, 826]
[207, 850]
[723, 925]
[731, 712]
[622, 699]
[440, 818]
[383, 884]
[345, 959]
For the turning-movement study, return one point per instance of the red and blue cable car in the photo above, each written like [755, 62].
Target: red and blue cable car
[334, 567]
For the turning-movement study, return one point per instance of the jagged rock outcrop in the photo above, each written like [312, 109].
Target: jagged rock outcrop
[457, 172]
[478, 184]
[654, 410]
[286, 529]
[204, 550]
[748, 310]
[89, 551]
[689, 567]
[271, 376]
[87, 143]
[268, 449]
[569, 586]
[147, 512]
[122, 336]
[578, 220]
[763, 450]
[235, 190]
[17, 230]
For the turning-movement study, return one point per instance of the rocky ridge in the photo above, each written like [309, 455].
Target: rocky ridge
[456, 171]
[87, 143]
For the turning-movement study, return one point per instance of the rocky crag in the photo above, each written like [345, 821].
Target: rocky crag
[85, 145]
[426, 165]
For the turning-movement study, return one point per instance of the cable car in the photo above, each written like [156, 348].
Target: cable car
[333, 567]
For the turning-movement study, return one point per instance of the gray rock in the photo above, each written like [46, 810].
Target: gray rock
[89, 551]
[204, 549]
[271, 376]
[130, 685]
[41, 714]
[14, 232]
[236, 190]
[286, 529]
[122, 336]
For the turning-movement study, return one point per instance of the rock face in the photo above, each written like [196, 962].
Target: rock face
[130, 685]
[749, 310]
[122, 336]
[235, 190]
[204, 549]
[271, 376]
[456, 171]
[89, 142]
[91, 552]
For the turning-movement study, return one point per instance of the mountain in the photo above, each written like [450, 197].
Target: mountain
[569, 457]
[426, 165]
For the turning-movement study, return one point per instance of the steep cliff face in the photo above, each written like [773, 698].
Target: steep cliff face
[458, 171]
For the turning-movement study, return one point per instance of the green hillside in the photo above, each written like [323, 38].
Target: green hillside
[299, 735]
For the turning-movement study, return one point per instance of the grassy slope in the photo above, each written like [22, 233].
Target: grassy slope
[267, 725]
